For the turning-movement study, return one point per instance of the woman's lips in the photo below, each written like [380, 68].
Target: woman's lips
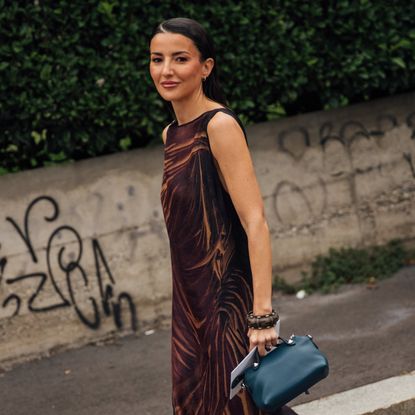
[169, 84]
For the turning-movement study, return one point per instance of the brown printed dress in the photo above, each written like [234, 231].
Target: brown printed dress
[211, 281]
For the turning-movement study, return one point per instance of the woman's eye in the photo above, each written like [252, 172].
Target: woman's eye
[155, 59]
[184, 59]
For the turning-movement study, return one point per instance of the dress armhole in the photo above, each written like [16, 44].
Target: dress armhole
[167, 130]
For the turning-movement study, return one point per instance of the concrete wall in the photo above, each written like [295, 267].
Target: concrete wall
[84, 253]
[337, 178]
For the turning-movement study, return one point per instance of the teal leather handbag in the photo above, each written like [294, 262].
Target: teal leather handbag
[285, 372]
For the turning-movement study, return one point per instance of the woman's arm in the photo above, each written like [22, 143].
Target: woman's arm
[229, 148]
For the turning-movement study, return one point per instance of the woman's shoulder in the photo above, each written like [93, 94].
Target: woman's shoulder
[224, 119]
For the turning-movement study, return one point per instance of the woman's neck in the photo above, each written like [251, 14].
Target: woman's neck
[189, 110]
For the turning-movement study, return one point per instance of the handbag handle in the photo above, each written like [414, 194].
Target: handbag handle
[290, 341]
[257, 357]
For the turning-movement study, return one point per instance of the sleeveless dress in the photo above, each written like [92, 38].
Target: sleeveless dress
[211, 275]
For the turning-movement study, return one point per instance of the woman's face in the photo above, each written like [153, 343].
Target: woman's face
[175, 58]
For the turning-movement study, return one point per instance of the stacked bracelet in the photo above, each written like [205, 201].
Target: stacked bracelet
[265, 321]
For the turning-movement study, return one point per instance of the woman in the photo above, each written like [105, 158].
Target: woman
[219, 238]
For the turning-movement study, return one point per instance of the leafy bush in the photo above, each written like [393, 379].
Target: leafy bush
[350, 265]
[74, 79]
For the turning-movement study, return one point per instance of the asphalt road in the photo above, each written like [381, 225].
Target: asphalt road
[368, 334]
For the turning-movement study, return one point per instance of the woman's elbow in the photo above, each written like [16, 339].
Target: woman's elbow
[255, 223]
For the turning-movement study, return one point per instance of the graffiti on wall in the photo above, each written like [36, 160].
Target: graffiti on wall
[348, 132]
[342, 157]
[68, 291]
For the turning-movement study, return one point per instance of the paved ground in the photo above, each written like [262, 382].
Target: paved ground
[367, 334]
[394, 395]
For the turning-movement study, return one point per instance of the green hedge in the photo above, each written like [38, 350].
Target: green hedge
[74, 80]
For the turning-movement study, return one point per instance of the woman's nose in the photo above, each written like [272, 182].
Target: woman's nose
[167, 70]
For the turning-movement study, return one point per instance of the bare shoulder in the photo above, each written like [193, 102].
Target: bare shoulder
[225, 128]
[221, 120]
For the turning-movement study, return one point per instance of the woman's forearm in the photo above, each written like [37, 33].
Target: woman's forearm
[260, 256]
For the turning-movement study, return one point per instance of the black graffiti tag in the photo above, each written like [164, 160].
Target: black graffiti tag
[109, 303]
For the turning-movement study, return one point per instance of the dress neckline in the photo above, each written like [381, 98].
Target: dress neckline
[194, 119]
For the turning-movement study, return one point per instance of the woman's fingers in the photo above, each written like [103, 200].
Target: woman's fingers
[261, 350]
[252, 341]
[264, 339]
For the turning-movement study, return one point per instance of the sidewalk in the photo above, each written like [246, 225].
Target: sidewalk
[367, 334]
[390, 396]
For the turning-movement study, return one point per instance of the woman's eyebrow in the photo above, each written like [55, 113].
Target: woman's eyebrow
[173, 54]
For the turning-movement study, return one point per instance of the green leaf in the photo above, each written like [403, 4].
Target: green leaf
[12, 148]
[37, 138]
[403, 43]
[312, 61]
[45, 72]
[125, 143]
[398, 61]
[57, 156]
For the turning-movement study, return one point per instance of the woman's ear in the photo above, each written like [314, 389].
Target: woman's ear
[208, 66]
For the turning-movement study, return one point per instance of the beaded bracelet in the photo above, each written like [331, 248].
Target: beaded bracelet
[260, 322]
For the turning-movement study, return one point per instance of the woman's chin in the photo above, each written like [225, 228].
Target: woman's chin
[169, 96]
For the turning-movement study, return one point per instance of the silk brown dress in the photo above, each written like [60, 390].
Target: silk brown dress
[211, 275]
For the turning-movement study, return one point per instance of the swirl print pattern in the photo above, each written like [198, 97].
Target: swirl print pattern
[211, 275]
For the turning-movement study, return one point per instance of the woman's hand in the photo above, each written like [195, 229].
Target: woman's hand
[262, 338]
